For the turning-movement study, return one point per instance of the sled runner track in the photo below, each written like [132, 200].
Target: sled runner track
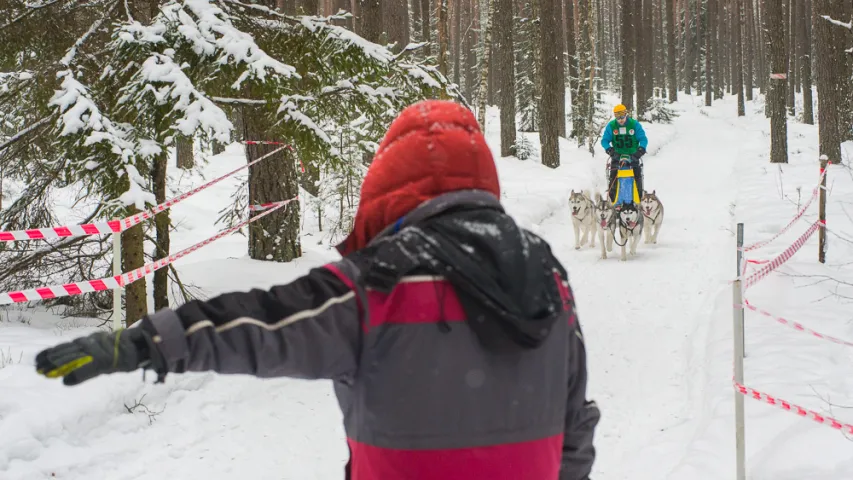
[642, 317]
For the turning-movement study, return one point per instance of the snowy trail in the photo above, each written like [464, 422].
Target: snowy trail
[666, 293]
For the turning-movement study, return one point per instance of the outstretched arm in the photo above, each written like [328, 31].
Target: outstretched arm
[309, 328]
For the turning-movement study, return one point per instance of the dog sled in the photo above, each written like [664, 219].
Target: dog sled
[626, 187]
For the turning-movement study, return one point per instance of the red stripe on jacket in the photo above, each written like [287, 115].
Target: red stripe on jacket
[533, 460]
[415, 300]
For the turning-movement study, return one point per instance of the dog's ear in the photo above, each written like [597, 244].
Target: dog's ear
[653, 192]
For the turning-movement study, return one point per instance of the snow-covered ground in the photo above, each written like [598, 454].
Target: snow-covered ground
[658, 330]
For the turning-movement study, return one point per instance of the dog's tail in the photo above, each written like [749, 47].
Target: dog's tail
[587, 193]
[597, 197]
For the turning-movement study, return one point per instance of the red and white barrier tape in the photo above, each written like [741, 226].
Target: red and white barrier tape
[792, 222]
[794, 325]
[264, 142]
[264, 206]
[110, 283]
[788, 406]
[781, 258]
[115, 226]
[97, 228]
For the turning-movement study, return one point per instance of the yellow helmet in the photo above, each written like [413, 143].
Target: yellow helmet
[620, 109]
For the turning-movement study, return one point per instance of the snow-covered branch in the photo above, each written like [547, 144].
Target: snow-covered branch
[21, 134]
[160, 76]
[237, 101]
[72, 52]
[848, 25]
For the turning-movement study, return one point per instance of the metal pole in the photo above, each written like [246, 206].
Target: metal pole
[739, 271]
[116, 316]
[737, 297]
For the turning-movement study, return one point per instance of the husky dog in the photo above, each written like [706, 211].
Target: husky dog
[583, 217]
[653, 211]
[605, 222]
[630, 227]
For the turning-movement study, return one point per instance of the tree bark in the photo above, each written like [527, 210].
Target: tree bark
[777, 41]
[628, 53]
[276, 236]
[709, 33]
[805, 52]
[161, 225]
[828, 96]
[456, 38]
[738, 63]
[749, 24]
[484, 66]
[790, 25]
[572, 54]
[505, 70]
[641, 62]
[184, 153]
[671, 79]
[549, 130]
[395, 17]
[371, 20]
[425, 27]
[441, 14]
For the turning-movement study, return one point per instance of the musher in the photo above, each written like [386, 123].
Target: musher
[624, 135]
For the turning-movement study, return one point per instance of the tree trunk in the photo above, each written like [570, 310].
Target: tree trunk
[456, 37]
[671, 79]
[828, 97]
[395, 17]
[572, 54]
[805, 52]
[484, 66]
[161, 225]
[371, 22]
[738, 63]
[641, 61]
[276, 236]
[417, 18]
[505, 70]
[844, 44]
[700, 31]
[549, 130]
[560, 71]
[184, 150]
[778, 43]
[628, 53]
[425, 27]
[133, 257]
[586, 66]
[749, 23]
[468, 48]
[709, 33]
[441, 14]
[690, 52]
[791, 24]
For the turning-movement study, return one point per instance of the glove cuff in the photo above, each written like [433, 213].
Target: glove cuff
[150, 357]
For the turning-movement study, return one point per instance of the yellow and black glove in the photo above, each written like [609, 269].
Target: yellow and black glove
[100, 353]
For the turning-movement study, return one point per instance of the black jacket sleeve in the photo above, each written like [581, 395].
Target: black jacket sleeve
[310, 328]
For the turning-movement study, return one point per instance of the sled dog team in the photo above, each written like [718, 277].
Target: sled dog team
[628, 209]
[601, 218]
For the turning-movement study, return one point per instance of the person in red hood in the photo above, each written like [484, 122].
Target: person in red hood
[450, 332]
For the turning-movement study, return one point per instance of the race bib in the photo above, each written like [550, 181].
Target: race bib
[622, 130]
